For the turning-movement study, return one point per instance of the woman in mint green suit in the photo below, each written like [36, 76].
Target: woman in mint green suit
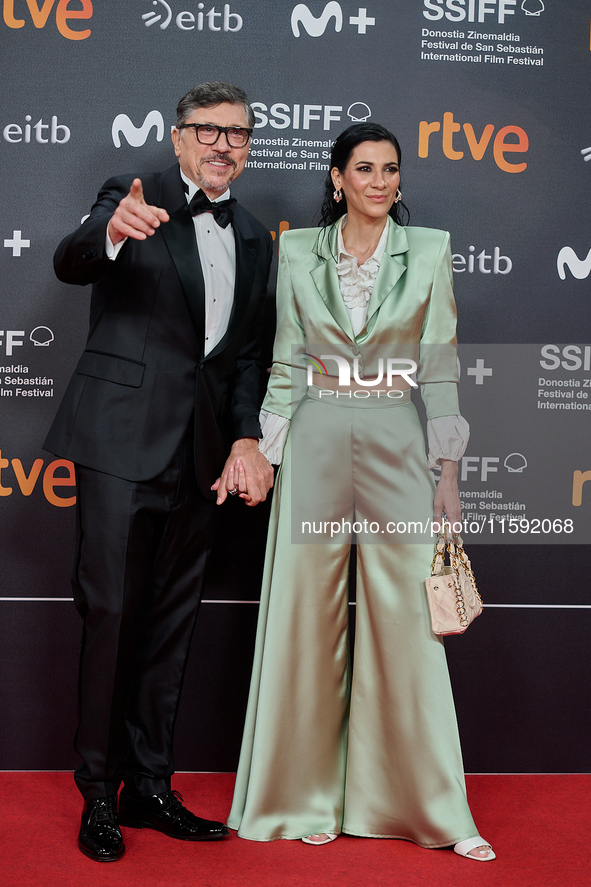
[370, 748]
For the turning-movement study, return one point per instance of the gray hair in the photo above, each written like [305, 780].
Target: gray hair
[206, 95]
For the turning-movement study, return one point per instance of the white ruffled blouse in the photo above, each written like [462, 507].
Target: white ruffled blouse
[447, 436]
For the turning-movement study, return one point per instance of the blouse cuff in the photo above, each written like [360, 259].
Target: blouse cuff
[448, 438]
[274, 429]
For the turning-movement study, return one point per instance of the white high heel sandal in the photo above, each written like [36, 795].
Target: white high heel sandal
[322, 838]
[463, 848]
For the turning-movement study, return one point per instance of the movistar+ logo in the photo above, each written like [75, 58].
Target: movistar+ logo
[315, 26]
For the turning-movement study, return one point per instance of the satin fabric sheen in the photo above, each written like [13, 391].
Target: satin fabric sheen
[374, 750]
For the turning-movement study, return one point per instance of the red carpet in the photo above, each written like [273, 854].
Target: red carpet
[540, 827]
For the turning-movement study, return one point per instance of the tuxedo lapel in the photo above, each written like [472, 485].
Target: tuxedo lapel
[179, 236]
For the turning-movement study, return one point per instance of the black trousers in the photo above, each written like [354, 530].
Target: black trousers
[138, 576]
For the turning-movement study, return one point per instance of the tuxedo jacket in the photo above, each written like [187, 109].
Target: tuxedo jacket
[411, 315]
[143, 372]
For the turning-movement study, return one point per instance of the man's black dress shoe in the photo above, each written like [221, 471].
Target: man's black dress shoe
[100, 837]
[165, 813]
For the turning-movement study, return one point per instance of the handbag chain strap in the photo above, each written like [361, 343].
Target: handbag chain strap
[439, 552]
[457, 556]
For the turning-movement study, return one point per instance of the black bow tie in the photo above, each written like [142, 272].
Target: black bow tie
[223, 211]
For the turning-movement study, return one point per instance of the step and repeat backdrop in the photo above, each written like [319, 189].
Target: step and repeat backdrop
[490, 102]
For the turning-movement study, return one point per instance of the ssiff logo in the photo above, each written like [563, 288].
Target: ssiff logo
[316, 25]
[280, 115]
[40, 15]
[477, 10]
[514, 463]
[137, 136]
[41, 337]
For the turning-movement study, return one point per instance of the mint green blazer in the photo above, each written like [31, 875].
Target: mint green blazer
[411, 307]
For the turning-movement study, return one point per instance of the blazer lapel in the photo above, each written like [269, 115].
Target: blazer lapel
[326, 279]
[179, 236]
[392, 267]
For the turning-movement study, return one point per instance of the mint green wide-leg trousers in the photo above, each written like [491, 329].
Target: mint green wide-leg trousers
[370, 750]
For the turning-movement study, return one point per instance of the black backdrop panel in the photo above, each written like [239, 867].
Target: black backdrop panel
[489, 99]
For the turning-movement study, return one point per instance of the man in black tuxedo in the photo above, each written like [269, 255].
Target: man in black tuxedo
[168, 381]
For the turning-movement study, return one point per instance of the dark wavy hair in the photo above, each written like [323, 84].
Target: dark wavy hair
[208, 95]
[330, 211]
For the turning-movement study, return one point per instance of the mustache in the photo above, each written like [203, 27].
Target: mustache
[222, 157]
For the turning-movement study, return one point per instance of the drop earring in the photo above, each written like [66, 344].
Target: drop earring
[337, 196]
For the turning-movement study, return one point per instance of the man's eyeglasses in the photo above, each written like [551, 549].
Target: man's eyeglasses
[208, 133]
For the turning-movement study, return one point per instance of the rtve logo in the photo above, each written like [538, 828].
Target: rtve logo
[315, 26]
[188, 21]
[476, 146]
[579, 268]
[27, 482]
[579, 478]
[39, 15]
[137, 136]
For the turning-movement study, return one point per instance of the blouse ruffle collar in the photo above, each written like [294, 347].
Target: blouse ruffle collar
[357, 281]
